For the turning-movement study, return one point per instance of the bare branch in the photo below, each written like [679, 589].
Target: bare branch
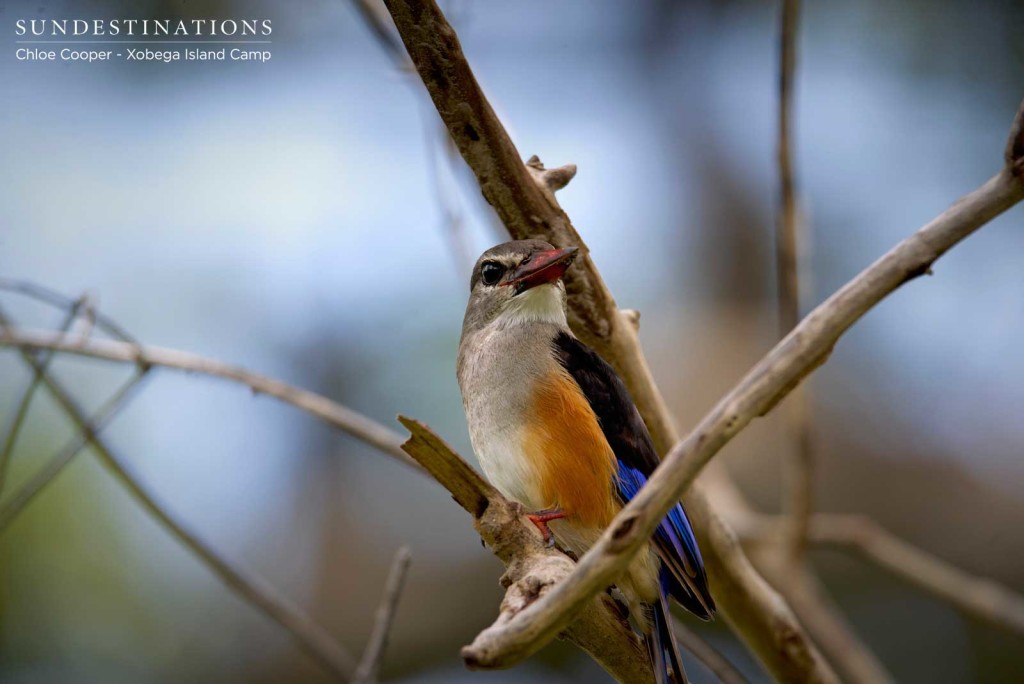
[49, 472]
[782, 369]
[787, 249]
[528, 209]
[799, 468]
[330, 412]
[60, 301]
[369, 667]
[785, 567]
[825, 623]
[978, 597]
[316, 642]
[532, 569]
[383, 29]
[707, 654]
[379, 24]
[20, 413]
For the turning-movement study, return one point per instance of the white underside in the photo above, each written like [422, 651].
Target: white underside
[506, 466]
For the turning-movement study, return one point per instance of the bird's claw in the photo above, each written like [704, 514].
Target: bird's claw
[540, 519]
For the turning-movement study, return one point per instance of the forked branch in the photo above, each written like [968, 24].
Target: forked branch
[532, 569]
[979, 597]
[783, 368]
[369, 667]
[528, 208]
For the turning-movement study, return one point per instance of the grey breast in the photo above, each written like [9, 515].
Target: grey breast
[497, 369]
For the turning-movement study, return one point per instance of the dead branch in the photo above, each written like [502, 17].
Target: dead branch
[979, 597]
[528, 209]
[786, 567]
[826, 624]
[307, 634]
[20, 413]
[18, 501]
[55, 299]
[532, 569]
[369, 667]
[379, 22]
[799, 468]
[332, 413]
[783, 368]
[716, 663]
[614, 644]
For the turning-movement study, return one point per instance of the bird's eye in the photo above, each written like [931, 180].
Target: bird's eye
[491, 272]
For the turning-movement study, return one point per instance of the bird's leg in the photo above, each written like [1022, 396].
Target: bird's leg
[541, 520]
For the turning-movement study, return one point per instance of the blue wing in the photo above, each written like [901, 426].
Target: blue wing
[628, 437]
[686, 580]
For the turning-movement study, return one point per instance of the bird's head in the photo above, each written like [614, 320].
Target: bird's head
[517, 282]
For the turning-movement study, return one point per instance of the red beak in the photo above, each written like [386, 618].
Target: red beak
[541, 268]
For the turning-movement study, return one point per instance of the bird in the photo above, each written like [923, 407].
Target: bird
[555, 429]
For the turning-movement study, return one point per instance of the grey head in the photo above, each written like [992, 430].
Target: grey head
[515, 282]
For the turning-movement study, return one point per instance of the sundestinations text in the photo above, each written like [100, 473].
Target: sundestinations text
[240, 28]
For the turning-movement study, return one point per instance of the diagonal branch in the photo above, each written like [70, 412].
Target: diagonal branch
[824, 621]
[49, 472]
[613, 643]
[532, 569]
[438, 143]
[21, 412]
[369, 667]
[528, 208]
[979, 597]
[332, 413]
[783, 368]
[310, 636]
[55, 299]
[716, 663]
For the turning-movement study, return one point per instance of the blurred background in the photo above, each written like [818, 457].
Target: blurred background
[305, 219]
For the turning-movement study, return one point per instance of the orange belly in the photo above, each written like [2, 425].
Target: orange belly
[572, 460]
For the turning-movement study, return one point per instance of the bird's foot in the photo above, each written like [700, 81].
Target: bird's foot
[541, 520]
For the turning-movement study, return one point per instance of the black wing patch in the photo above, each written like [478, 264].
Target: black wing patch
[631, 442]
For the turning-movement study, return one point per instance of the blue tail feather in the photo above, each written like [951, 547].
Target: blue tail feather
[668, 665]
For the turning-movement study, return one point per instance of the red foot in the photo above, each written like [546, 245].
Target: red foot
[541, 519]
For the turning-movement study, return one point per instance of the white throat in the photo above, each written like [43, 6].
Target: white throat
[540, 304]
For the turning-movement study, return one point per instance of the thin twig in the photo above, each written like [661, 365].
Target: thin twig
[786, 567]
[307, 634]
[436, 136]
[377, 20]
[829, 628]
[21, 412]
[369, 667]
[332, 413]
[787, 249]
[979, 597]
[56, 299]
[712, 659]
[798, 498]
[49, 472]
[383, 29]
[783, 368]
